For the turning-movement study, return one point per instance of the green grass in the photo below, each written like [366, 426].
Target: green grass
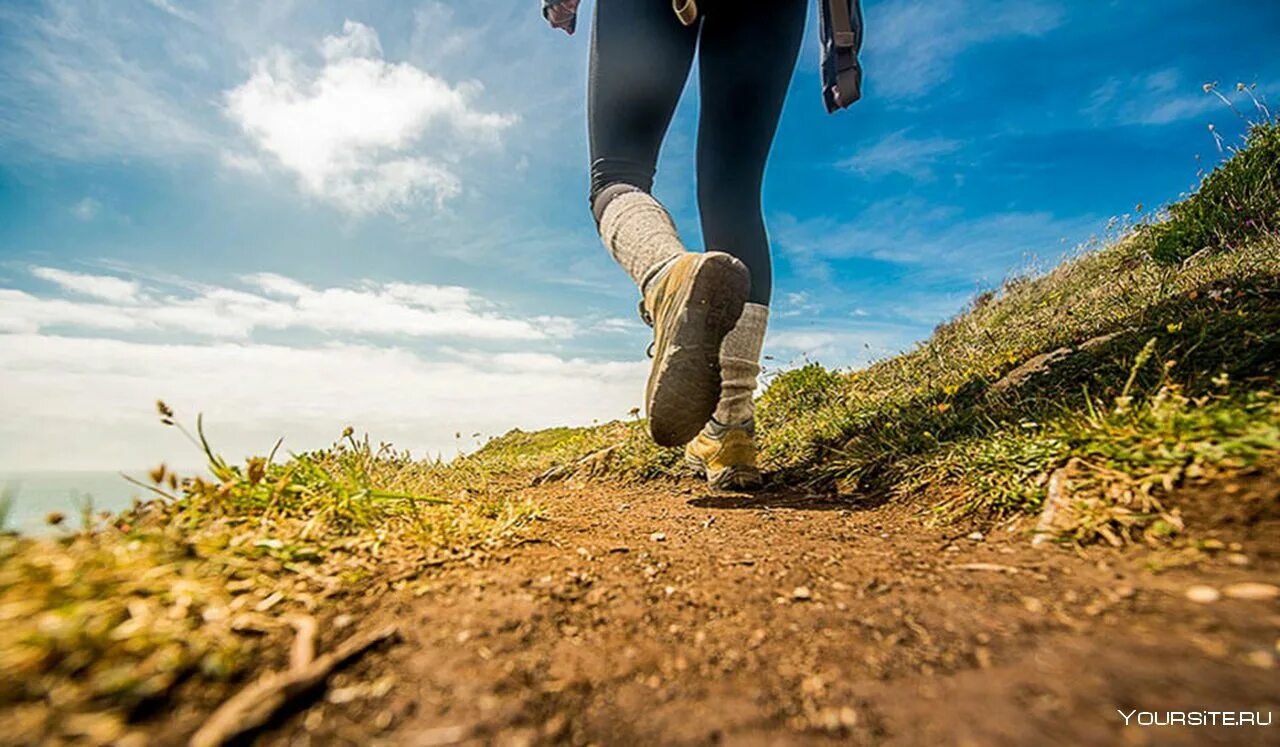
[104, 624]
[1235, 204]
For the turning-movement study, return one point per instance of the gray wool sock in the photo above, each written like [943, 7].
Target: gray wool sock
[639, 234]
[740, 366]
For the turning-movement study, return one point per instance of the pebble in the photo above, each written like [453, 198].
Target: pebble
[1261, 659]
[801, 594]
[1252, 591]
[1238, 558]
[1202, 594]
[658, 537]
[976, 536]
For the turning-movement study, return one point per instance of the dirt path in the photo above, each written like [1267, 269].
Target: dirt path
[663, 615]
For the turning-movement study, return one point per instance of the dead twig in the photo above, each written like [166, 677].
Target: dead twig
[304, 642]
[995, 567]
[254, 706]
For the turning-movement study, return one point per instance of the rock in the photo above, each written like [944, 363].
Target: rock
[1056, 504]
[1252, 591]
[1262, 659]
[1203, 594]
[658, 537]
[976, 536]
[1043, 363]
[801, 594]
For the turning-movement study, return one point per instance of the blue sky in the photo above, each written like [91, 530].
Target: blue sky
[297, 215]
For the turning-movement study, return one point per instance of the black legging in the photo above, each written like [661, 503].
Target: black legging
[640, 60]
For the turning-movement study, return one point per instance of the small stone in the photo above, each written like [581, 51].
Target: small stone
[976, 536]
[1203, 594]
[1252, 591]
[801, 594]
[1262, 659]
[848, 717]
[343, 695]
[658, 537]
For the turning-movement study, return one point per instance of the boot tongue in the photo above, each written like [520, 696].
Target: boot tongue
[657, 272]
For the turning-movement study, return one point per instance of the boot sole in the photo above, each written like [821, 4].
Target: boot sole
[685, 377]
[730, 478]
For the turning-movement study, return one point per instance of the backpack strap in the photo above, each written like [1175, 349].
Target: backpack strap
[848, 79]
[686, 10]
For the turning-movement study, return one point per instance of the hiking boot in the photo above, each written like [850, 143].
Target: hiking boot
[691, 305]
[726, 456]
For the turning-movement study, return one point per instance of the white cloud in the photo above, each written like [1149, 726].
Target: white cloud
[842, 344]
[1155, 98]
[366, 134]
[917, 42]
[173, 10]
[104, 287]
[937, 242]
[79, 82]
[897, 153]
[368, 308]
[86, 209]
[79, 403]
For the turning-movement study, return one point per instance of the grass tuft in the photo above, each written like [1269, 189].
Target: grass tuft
[1237, 203]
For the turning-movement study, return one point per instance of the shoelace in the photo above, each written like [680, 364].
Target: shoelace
[644, 314]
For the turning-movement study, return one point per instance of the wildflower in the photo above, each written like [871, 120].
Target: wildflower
[944, 406]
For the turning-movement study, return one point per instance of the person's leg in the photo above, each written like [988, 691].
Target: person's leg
[748, 55]
[747, 59]
[640, 60]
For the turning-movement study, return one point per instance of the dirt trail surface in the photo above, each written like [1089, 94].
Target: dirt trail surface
[662, 614]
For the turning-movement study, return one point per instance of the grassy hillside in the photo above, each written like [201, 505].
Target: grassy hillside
[1137, 364]
[1124, 372]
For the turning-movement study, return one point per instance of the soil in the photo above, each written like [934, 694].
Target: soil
[664, 614]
